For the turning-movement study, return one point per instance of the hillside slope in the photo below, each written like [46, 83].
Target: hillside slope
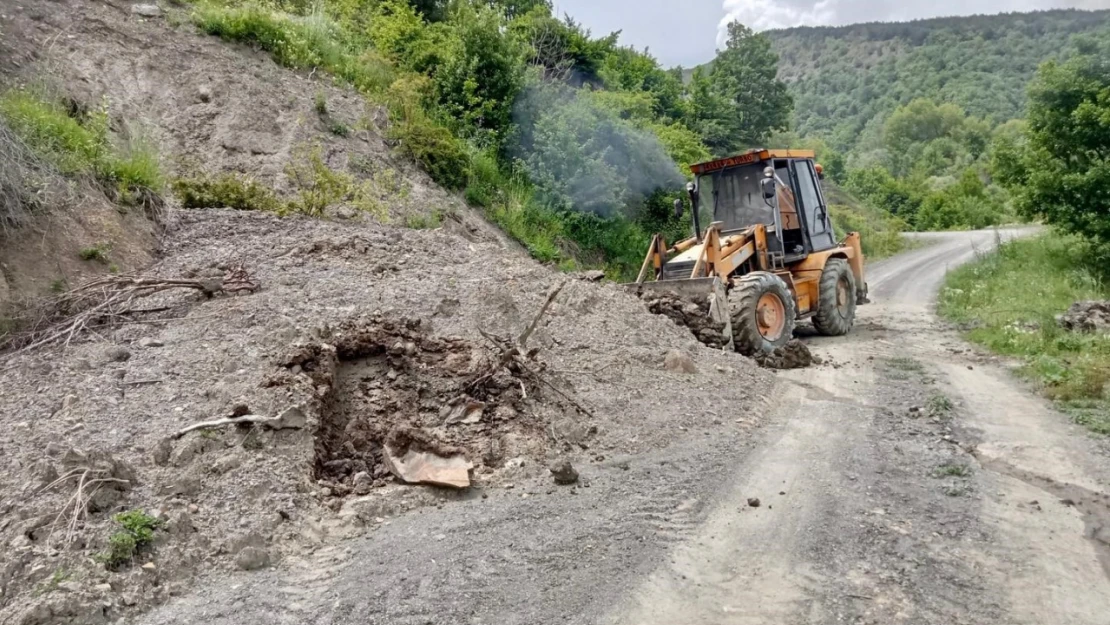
[355, 329]
[843, 77]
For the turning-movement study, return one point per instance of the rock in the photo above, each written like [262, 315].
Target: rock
[147, 342]
[563, 472]
[679, 362]
[204, 93]
[467, 412]
[1093, 316]
[362, 483]
[44, 473]
[591, 276]
[150, 566]
[162, 452]
[146, 10]
[793, 355]
[292, 418]
[754, 502]
[181, 524]
[416, 457]
[103, 588]
[252, 559]
[117, 354]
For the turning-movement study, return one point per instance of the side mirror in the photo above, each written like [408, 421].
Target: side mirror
[678, 209]
[769, 189]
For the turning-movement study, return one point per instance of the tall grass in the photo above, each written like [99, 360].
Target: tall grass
[311, 41]
[1010, 301]
[80, 144]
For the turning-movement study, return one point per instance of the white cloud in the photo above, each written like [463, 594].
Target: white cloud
[767, 14]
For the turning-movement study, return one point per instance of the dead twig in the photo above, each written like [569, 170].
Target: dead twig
[291, 418]
[111, 301]
[522, 340]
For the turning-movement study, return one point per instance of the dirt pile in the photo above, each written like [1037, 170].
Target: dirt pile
[374, 338]
[691, 314]
[340, 331]
[793, 355]
[1086, 317]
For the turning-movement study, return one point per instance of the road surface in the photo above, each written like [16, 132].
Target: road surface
[911, 479]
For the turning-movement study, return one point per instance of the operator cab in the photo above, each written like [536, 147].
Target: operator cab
[778, 188]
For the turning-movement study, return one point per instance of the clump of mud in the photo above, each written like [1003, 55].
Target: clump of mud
[691, 314]
[389, 378]
[793, 355]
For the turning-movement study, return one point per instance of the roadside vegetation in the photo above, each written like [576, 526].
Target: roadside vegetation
[77, 143]
[574, 145]
[1009, 302]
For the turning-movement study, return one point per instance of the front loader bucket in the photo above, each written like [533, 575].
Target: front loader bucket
[697, 290]
[694, 288]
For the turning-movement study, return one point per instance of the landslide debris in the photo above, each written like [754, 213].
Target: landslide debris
[1092, 316]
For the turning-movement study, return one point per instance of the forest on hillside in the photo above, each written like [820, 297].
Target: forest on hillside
[845, 80]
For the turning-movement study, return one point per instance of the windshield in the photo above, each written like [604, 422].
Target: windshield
[734, 196]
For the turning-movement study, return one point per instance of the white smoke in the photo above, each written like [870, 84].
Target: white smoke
[767, 14]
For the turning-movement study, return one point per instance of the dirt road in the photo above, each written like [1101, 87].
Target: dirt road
[909, 480]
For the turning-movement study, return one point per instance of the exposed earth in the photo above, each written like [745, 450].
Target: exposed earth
[909, 479]
[622, 468]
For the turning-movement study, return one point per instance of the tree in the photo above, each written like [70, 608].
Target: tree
[479, 81]
[745, 79]
[1061, 172]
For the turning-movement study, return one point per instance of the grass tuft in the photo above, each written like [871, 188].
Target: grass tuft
[136, 532]
[1011, 299]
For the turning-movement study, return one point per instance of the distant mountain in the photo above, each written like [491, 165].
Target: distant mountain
[843, 77]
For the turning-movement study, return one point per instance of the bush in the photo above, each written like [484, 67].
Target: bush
[137, 533]
[82, 146]
[437, 151]
[296, 41]
[225, 191]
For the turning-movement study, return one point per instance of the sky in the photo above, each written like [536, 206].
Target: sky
[687, 32]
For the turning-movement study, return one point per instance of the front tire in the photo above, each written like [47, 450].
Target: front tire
[763, 313]
[836, 299]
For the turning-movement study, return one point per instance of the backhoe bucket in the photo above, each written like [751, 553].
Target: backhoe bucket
[695, 290]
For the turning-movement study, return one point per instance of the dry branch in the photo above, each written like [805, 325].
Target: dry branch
[111, 301]
[290, 418]
[514, 355]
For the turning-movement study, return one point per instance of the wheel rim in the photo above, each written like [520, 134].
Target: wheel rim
[770, 316]
[843, 293]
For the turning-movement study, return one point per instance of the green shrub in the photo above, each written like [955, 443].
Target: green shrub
[98, 252]
[136, 533]
[225, 191]
[82, 146]
[296, 41]
[438, 152]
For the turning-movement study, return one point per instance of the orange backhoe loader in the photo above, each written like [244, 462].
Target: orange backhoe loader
[768, 257]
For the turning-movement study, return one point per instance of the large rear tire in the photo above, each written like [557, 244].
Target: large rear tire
[836, 304]
[763, 313]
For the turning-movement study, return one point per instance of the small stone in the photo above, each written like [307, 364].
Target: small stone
[252, 559]
[70, 586]
[147, 342]
[754, 502]
[117, 354]
[915, 409]
[162, 452]
[362, 483]
[150, 566]
[679, 362]
[146, 10]
[970, 368]
[194, 508]
[102, 588]
[563, 472]
[204, 93]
